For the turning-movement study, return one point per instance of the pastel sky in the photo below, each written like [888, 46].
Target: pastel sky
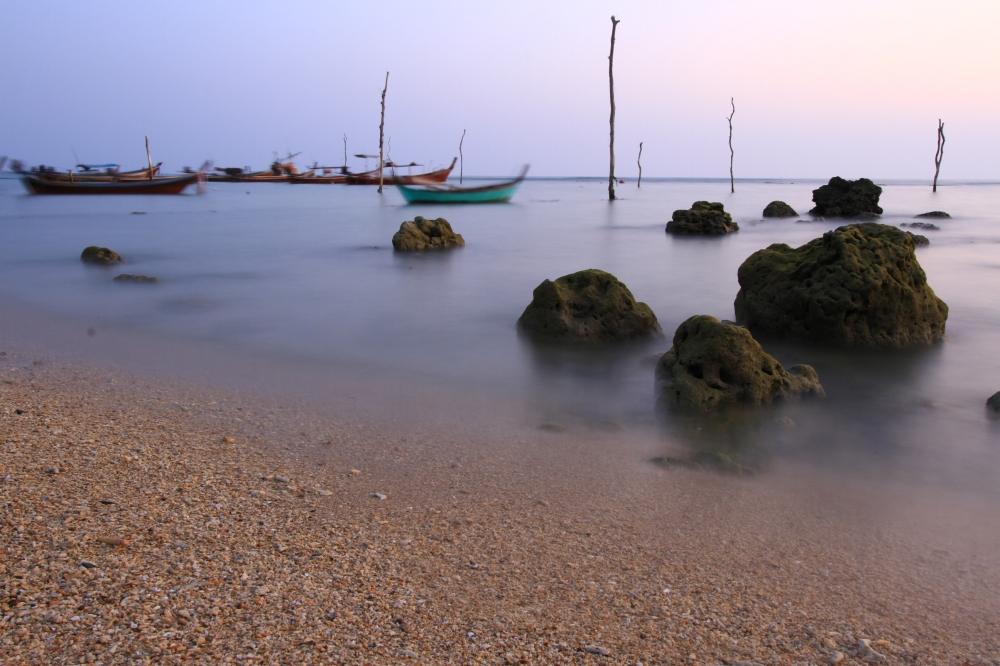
[852, 87]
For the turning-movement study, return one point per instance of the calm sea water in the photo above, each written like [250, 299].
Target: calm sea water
[305, 277]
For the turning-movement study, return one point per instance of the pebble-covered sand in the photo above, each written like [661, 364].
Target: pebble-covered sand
[150, 523]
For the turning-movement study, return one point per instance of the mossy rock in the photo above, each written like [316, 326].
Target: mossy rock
[101, 256]
[858, 285]
[779, 209]
[847, 198]
[588, 306]
[715, 364]
[422, 234]
[704, 218]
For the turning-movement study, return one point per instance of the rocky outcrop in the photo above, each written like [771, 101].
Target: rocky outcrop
[101, 256]
[779, 209]
[993, 404]
[702, 219]
[923, 226]
[935, 215]
[847, 198]
[588, 306]
[714, 364]
[858, 285]
[136, 279]
[423, 234]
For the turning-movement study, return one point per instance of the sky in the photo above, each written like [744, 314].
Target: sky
[851, 88]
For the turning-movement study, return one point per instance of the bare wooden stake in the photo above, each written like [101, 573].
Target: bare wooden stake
[149, 159]
[381, 135]
[461, 159]
[611, 85]
[638, 161]
[938, 154]
[732, 181]
[345, 151]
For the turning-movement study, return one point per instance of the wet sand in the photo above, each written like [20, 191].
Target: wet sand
[149, 521]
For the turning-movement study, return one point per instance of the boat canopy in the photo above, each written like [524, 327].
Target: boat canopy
[90, 167]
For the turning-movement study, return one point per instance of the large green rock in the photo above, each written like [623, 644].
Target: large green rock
[715, 364]
[847, 198]
[423, 234]
[587, 306]
[858, 285]
[93, 254]
[704, 218]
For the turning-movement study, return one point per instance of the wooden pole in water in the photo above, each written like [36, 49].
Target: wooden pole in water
[461, 159]
[381, 134]
[149, 159]
[611, 86]
[345, 151]
[938, 154]
[638, 161]
[732, 182]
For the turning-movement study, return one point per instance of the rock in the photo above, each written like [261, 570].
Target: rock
[379, 496]
[935, 215]
[779, 209]
[702, 219]
[136, 279]
[87, 564]
[847, 198]
[923, 226]
[423, 234]
[858, 285]
[865, 652]
[100, 255]
[714, 364]
[588, 306]
[835, 657]
[918, 240]
[993, 403]
[596, 649]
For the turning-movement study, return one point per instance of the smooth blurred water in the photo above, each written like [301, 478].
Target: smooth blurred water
[308, 273]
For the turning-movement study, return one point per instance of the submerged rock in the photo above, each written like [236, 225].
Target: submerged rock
[423, 234]
[923, 226]
[779, 209]
[587, 306]
[993, 403]
[103, 256]
[714, 364]
[847, 198]
[704, 218]
[935, 215]
[918, 240]
[136, 279]
[858, 285]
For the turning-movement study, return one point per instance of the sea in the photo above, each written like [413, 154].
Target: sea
[296, 291]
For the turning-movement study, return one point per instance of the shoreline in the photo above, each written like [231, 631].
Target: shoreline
[147, 521]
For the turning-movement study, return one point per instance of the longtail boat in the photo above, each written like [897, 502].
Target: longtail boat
[431, 192]
[280, 172]
[92, 174]
[371, 177]
[169, 185]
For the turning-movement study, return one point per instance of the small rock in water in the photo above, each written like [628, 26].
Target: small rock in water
[596, 649]
[379, 496]
[138, 212]
[993, 403]
[103, 256]
[923, 226]
[136, 279]
[918, 240]
[935, 214]
[779, 209]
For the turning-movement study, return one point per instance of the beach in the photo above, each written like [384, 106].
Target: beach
[157, 522]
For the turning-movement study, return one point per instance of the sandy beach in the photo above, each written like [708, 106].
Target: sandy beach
[151, 522]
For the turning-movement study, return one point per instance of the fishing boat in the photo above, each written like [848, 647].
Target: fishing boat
[168, 185]
[98, 173]
[430, 192]
[372, 177]
[280, 172]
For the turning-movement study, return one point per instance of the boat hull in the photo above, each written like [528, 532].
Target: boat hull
[97, 176]
[371, 178]
[419, 195]
[175, 185]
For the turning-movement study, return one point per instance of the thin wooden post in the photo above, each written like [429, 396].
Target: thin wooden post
[638, 161]
[381, 134]
[732, 182]
[938, 154]
[149, 160]
[345, 151]
[611, 85]
[461, 159]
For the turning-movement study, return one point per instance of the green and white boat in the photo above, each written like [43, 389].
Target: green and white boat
[443, 193]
